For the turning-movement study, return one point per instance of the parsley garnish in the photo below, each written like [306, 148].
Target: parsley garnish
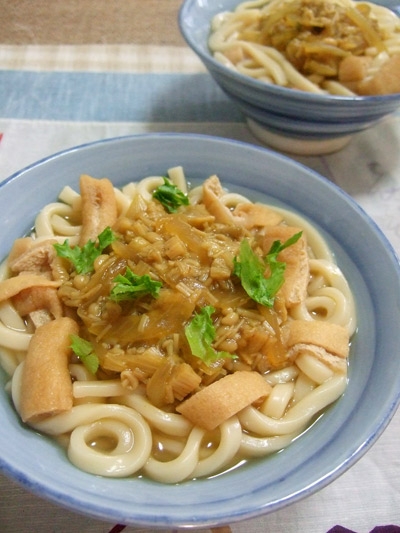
[250, 269]
[170, 196]
[83, 257]
[200, 333]
[132, 286]
[83, 349]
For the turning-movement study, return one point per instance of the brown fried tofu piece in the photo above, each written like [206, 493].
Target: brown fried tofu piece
[46, 386]
[385, 81]
[99, 207]
[214, 404]
[297, 272]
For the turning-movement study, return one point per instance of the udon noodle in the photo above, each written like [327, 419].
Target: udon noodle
[341, 47]
[190, 375]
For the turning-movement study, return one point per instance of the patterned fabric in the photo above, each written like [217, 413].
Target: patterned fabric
[377, 529]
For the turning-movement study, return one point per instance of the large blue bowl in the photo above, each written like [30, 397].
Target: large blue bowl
[334, 443]
[288, 119]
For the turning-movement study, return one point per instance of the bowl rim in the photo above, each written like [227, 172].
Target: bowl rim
[295, 94]
[92, 507]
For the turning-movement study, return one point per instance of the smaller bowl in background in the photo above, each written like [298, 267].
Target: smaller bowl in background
[287, 119]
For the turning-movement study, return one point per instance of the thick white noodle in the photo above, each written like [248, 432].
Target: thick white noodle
[102, 389]
[146, 186]
[318, 245]
[10, 359]
[303, 386]
[80, 372]
[231, 199]
[123, 201]
[177, 176]
[301, 414]
[44, 224]
[14, 339]
[283, 375]
[91, 420]
[129, 190]
[126, 426]
[88, 422]
[278, 399]
[260, 446]
[230, 439]
[13, 331]
[182, 466]
[331, 293]
[69, 196]
[172, 445]
[312, 367]
[10, 316]
[168, 423]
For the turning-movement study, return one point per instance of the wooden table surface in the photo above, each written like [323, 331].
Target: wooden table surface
[90, 22]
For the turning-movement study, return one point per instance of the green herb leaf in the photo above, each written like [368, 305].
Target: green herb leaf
[200, 333]
[250, 269]
[132, 286]
[170, 196]
[83, 258]
[83, 349]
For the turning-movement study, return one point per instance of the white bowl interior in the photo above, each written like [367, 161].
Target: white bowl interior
[338, 439]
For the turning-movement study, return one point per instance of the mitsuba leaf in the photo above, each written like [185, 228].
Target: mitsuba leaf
[83, 258]
[130, 286]
[83, 349]
[200, 334]
[250, 268]
[170, 196]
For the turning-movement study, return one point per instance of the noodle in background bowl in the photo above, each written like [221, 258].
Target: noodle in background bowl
[336, 440]
[287, 119]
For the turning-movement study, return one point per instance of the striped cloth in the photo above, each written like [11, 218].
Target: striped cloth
[56, 97]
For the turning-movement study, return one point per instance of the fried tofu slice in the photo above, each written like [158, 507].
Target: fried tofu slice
[297, 272]
[10, 287]
[328, 342]
[332, 337]
[385, 81]
[247, 214]
[353, 68]
[256, 215]
[29, 255]
[46, 386]
[30, 301]
[214, 404]
[99, 207]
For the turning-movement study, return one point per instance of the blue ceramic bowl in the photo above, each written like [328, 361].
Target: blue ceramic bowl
[288, 119]
[333, 444]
